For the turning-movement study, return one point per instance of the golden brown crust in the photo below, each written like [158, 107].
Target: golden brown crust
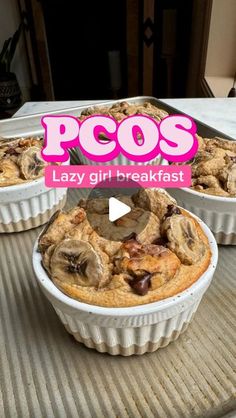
[122, 110]
[119, 294]
[123, 262]
[214, 167]
[20, 160]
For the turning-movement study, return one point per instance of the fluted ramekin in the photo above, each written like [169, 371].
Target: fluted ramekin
[120, 160]
[28, 205]
[219, 213]
[133, 330]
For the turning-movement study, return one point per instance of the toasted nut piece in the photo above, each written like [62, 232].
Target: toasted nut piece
[31, 142]
[9, 173]
[31, 163]
[183, 238]
[76, 262]
[136, 259]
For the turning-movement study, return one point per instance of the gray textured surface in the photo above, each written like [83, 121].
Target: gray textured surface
[45, 373]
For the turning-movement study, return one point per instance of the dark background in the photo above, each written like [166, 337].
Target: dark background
[80, 34]
[79, 40]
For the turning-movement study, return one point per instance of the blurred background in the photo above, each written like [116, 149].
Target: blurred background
[65, 50]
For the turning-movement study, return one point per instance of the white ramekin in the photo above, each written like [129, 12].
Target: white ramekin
[219, 213]
[120, 160]
[28, 205]
[127, 331]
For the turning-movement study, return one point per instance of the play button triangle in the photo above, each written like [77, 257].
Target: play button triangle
[117, 209]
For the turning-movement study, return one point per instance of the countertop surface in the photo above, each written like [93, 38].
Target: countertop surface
[217, 113]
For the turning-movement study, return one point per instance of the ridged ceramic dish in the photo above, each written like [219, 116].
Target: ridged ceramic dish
[120, 160]
[127, 331]
[219, 213]
[28, 205]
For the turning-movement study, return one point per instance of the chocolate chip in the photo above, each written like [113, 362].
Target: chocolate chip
[161, 241]
[141, 284]
[233, 159]
[129, 237]
[172, 210]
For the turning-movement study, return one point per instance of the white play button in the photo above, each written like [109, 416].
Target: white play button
[116, 202]
[117, 209]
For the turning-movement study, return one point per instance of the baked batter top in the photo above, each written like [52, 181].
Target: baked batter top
[214, 167]
[121, 110]
[20, 160]
[165, 258]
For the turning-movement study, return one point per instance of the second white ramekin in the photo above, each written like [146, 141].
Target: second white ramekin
[133, 330]
[120, 160]
[28, 205]
[219, 213]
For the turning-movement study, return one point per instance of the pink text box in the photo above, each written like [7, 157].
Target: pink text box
[86, 176]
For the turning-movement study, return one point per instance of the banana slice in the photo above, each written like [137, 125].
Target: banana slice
[76, 262]
[31, 163]
[97, 205]
[183, 238]
[46, 258]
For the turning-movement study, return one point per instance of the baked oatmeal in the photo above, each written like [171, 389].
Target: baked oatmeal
[121, 110]
[214, 167]
[20, 160]
[139, 267]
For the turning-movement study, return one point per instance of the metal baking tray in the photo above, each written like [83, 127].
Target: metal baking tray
[30, 125]
[45, 373]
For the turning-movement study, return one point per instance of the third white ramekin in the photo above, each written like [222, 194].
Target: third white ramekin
[133, 330]
[28, 205]
[219, 213]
